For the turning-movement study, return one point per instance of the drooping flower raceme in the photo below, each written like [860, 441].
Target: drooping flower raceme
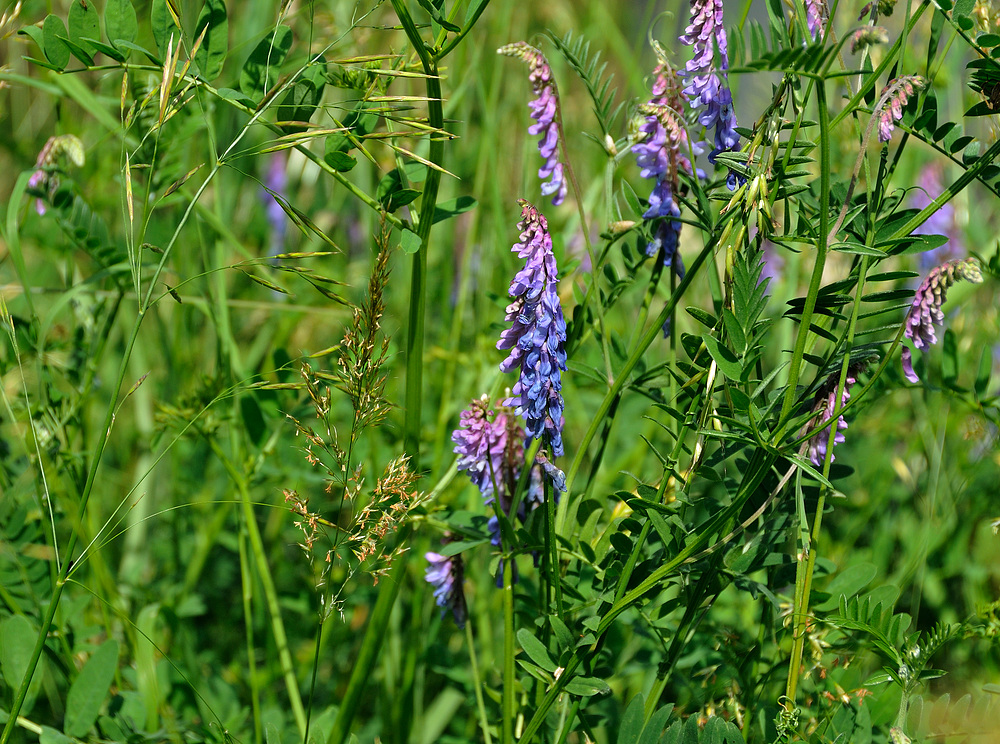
[447, 574]
[891, 101]
[662, 155]
[537, 336]
[707, 83]
[925, 312]
[826, 401]
[545, 112]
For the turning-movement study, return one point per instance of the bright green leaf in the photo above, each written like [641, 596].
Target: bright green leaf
[120, 21]
[409, 242]
[89, 689]
[263, 66]
[17, 639]
[163, 26]
[54, 41]
[535, 650]
[212, 52]
[723, 357]
[83, 23]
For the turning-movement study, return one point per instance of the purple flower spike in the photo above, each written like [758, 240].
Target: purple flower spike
[446, 574]
[537, 335]
[663, 155]
[890, 104]
[925, 312]
[826, 400]
[545, 112]
[707, 86]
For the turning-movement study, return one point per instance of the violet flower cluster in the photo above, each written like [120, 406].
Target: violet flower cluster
[707, 85]
[45, 180]
[545, 112]
[826, 401]
[816, 17]
[891, 101]
[925, 311]
[537, 336]
[490, 448]
[941, 222]
[662, 155]
[447, 574]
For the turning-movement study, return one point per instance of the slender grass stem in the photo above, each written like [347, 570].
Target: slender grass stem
[484, 724]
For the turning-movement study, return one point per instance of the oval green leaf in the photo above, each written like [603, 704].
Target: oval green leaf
[120, 22]
[212, 52]
[89, 689]
[54, 41]
[83, 23]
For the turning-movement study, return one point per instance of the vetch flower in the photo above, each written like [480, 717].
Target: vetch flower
[480, 445]
[925, 312]
[816, 16]
[537, 336]
[662, 155]
[868, 36]
[891, 101]
[826, 401]
[45, 180]
[447, 574]
[545, 112]
[276, 181]
[707, 84]
[941, 222]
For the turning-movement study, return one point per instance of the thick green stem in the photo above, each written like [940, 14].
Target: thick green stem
[507, 701]
[414, 345]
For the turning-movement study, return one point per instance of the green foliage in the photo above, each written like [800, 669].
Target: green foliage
[217, 432]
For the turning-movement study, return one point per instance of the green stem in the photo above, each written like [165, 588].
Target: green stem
[370, 646]
[477, 682]
[758, 467]
[818, 266]
[507, 700]
[267, 582]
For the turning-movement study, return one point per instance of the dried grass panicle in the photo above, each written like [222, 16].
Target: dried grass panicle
[363, 353]
[360, 536]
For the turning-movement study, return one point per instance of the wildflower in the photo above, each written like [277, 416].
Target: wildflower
[941, 222]
[446, 574]
[816, 17]
[868, 36]
[275, 182]
[480, 445]
[545, 112]
[826, 401]
[891, 101]
[925, 312]
[45, 180]
[662, 155]
[537, 335]
[707, 85]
